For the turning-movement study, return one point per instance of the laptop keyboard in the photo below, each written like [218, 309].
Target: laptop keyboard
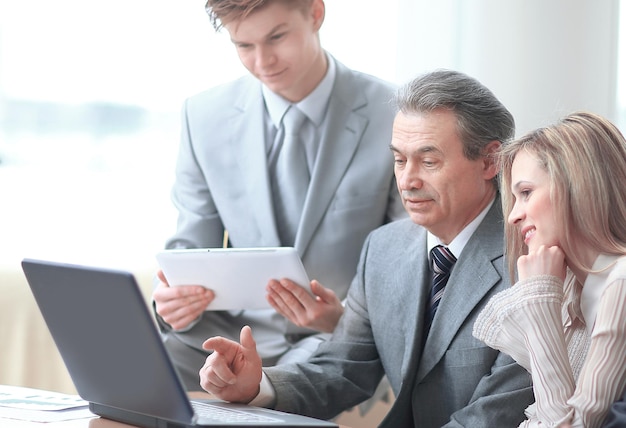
[208, 411]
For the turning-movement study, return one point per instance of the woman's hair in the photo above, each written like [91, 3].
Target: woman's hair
[584, 156]
[222, 12]
[481, 117]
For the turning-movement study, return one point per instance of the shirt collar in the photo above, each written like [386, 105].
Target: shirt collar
[313, 105]
[460, 240]
[594, 286]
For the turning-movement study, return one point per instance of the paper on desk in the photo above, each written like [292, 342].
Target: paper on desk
[38, 405]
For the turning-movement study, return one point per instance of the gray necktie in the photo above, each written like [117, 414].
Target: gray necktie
[291, 176]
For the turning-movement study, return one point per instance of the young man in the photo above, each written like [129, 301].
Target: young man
[444, 137]
[226, 178]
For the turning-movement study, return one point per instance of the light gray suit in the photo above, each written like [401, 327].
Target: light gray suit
[222, 183]
[456, 380]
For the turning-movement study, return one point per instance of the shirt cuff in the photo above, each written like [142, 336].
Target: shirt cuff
[266, 396]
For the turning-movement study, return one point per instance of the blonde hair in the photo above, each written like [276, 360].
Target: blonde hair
[585, 157]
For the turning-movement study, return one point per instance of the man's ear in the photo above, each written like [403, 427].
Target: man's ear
[318, 12]
[490, 159]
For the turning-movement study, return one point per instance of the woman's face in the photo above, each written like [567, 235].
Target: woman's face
[532, 212]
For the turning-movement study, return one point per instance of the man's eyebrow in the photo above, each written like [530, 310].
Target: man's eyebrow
[276, 29]
[429, 149]
[423, 149]
[273, 31]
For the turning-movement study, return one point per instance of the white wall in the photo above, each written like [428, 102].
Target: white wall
[79, 197]
[543, 59]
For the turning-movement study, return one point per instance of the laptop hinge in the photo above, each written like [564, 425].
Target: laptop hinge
[133, 418]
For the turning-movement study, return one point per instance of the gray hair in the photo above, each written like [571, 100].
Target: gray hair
[481, 117]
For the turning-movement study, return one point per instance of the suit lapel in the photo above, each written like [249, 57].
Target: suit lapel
[247, 135]
[416, 302]
[340, 140]
[485, 245]
[472, 278]
[337, 146]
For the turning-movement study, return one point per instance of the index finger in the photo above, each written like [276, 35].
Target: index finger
[219, 344]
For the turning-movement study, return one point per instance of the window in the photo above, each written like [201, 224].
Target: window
[90, 97]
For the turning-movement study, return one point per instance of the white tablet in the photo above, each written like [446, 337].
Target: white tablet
[238, 276]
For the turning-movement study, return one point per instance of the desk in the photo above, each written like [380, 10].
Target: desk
[95, 422]
[76, 423]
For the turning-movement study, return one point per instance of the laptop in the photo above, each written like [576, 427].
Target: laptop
[113, 351]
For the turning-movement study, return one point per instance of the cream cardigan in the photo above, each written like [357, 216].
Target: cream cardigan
[571, 338]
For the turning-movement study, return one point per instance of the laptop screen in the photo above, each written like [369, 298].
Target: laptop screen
[105, 334]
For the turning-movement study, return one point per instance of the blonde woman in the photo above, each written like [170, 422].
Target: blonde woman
[565, 319]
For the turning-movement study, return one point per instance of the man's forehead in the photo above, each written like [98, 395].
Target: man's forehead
[415, 127]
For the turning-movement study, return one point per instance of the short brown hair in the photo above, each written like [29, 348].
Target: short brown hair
[222, 12]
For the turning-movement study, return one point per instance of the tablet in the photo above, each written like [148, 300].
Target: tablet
[238, 276]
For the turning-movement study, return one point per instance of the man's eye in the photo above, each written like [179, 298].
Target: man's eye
[277, 36]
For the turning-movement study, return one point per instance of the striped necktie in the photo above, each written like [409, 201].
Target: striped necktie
[442, 261]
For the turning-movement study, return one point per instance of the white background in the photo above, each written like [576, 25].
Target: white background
[103, 198]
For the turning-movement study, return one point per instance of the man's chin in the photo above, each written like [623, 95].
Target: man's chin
[276, 83]
[419, 218]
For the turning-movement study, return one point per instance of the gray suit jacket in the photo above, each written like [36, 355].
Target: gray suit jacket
[455, 380]
[222, 182]
[616, 417]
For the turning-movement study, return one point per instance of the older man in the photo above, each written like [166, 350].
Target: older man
[404, 318]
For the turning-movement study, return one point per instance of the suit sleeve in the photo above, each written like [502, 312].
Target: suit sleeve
[199, 224]
[507, 383]
[617, 414]
[343, 372]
